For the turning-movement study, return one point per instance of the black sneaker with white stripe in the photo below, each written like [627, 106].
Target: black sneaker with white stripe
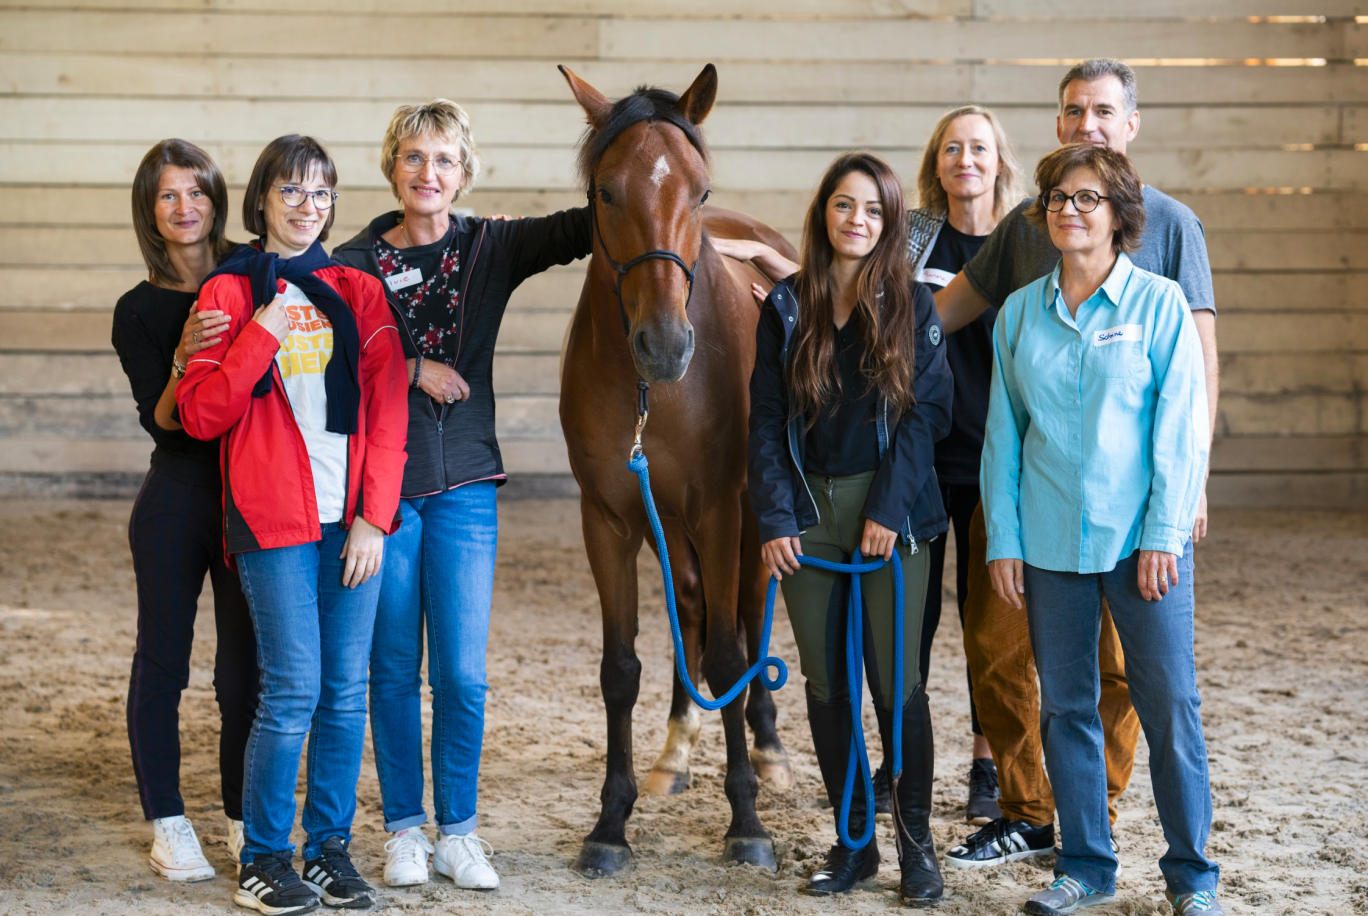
[334, 879]
[1002, 841]
[268, 883]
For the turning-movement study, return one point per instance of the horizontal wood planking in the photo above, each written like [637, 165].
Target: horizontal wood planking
[129, 73]
[540, 168]
[730, 126]
[1288, 453]
[1343, 491]
[573, 37]
[789, 9]
[1293, 415]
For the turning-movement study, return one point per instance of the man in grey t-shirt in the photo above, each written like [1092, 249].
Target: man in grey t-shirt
[1097, 104]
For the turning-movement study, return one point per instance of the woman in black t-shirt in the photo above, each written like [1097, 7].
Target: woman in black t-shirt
[969, 179]
[180, 207]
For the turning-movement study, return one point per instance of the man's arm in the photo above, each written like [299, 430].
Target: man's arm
[959, 303]
[1205, 319]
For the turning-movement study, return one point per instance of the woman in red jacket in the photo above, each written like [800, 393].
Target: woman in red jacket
[307, 389]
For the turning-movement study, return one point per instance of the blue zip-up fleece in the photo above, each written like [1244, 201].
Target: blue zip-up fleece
[905, 496]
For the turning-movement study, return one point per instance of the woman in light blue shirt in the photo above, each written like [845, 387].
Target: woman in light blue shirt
[1093, 465]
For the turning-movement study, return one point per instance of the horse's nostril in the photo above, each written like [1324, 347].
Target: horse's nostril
[642, 347]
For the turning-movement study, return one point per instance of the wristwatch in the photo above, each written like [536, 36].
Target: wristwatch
[177, 368]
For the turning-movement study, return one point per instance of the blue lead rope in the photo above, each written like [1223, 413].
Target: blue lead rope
[858, 761]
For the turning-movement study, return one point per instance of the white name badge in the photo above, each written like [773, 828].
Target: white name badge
[1131, 332]
[932, 276]
[403, 280]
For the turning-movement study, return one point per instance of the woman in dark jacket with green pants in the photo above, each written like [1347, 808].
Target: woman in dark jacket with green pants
[850, 392]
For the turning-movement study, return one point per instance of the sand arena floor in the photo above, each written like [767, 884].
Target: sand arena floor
[1282, 649]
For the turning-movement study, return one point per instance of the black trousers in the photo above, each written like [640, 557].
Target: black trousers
[176, 533]
[960, 502]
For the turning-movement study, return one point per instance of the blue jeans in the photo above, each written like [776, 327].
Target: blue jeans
[1065, 614]
[439, 567]
[313, 643]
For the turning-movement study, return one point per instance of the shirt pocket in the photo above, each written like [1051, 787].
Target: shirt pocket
[1122, 359]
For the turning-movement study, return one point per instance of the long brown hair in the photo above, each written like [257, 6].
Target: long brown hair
[146, 183]
[885, 300]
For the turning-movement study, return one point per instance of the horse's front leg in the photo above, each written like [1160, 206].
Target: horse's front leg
[719, 549]
[612, 557]
[768, 757]
[670, 773]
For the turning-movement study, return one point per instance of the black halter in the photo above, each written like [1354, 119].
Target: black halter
[621, 269]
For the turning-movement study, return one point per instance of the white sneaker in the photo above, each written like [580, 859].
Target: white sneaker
[465, 860]
[407, 863]
[176, 853]
[237, 838]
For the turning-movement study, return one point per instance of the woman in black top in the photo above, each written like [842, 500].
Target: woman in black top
[849, 394]
[180, 207]
[448, 279]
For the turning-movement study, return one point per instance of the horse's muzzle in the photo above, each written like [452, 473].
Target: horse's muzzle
[662, 350]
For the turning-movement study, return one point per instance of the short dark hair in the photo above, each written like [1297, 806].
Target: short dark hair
[287, 158]
[146, 183]
[1120, 185]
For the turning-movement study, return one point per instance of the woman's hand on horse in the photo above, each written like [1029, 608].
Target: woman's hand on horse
[741, 249]
[274, 318]
[878, 541]
[1009, 580]
[363, 552]
[1156, 573]
[781, 556]
[201, 330]
[442, 383]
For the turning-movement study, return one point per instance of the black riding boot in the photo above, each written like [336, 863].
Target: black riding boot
[843, 868]
[921, 883]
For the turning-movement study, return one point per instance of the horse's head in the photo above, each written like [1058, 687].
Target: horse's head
[645, 167]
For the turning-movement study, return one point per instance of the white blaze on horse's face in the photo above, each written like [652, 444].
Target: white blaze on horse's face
[662, 168]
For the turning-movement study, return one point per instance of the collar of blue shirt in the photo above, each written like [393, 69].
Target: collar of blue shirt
[1113, 286]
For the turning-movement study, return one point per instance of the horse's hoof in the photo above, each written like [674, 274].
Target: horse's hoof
[745, 850]
[772, 768]
[602, 860]
[665, 782]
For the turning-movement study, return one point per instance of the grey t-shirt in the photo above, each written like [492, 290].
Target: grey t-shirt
[1172, 246]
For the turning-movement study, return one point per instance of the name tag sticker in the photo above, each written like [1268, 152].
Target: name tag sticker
[1131, 332]
[403, 280]
[932, 276]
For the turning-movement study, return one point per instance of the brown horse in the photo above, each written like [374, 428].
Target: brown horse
[685, 324]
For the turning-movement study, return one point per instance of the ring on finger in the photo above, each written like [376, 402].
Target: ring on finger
[195, 336]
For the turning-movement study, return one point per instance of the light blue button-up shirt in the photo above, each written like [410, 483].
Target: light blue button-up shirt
[1097, 437]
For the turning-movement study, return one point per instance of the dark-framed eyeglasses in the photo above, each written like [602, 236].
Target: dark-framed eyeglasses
[1084, 201]
[294, 197]
[442, 163]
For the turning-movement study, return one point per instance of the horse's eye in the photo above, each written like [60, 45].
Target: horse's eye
[605, 196]
[705, 197]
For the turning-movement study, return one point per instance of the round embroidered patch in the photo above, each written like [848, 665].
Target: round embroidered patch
[934, 333]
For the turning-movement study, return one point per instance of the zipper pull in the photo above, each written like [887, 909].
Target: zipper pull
[439, 427]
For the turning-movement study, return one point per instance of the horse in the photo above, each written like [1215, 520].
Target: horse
[659, 305]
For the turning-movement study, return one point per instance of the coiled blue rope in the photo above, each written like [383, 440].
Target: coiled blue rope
[858, 761]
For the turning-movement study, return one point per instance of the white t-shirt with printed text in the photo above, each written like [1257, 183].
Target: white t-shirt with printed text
[303, 355]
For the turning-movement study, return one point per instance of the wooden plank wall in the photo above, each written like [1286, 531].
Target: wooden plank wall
[1255, 113]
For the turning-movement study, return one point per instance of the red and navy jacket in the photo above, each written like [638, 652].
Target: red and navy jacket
[268, 491]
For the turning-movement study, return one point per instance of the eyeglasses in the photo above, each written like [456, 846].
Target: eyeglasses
[1083, 201]
[444, 165]
[294, 197]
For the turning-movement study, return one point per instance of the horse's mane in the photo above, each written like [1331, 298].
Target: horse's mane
[647, 103]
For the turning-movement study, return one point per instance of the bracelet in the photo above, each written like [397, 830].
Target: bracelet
[177, 368]
[417, 369]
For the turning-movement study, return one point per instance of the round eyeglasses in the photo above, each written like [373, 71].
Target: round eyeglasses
[1084, 201]
[444, 165]
[294, 197]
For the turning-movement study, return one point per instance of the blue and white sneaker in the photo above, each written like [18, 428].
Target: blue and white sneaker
[1065, 896]
[1193, 904]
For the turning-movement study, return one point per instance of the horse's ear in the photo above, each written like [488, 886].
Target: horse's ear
[595, 104]
[698, 99]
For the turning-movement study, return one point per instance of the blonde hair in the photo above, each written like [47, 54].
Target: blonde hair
[1006, 189]
[439, 118]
